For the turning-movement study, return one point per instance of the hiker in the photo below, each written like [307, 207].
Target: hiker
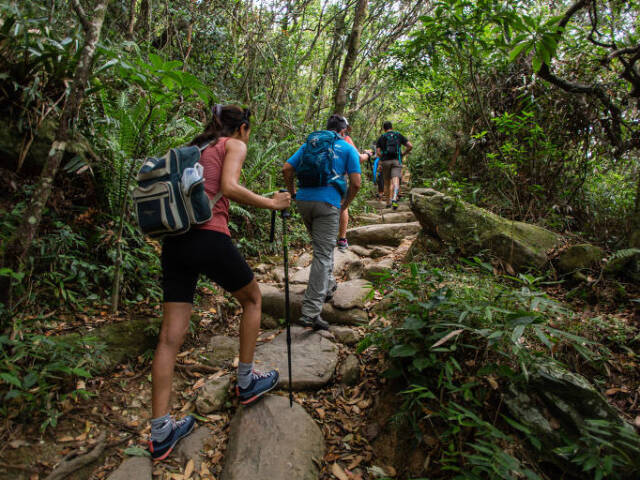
[343, 244]
[207, 249]
[388, 148]
[320, 166]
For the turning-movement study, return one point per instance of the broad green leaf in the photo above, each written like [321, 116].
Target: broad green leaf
[402, 351]
[11, 379]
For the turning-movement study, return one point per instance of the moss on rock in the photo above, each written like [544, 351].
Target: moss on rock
[578, 257]
[471, 229]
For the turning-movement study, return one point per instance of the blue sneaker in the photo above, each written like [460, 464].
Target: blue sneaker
[181, 428]
[261, 383]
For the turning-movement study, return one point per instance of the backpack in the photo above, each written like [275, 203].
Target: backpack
[317, 165]
[392, 145]
[167, 201]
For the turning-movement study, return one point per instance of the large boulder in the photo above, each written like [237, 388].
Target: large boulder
[625, 263]
[472, 229]
[386, 234]
[313, 357]
[579, 257]
[558, 406]
[271, 441]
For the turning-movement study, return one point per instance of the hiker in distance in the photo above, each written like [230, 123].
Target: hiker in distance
[320, 166]
[207, 249]
[389, 149]
[344, 214]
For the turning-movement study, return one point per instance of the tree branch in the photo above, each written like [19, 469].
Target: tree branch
[82, 15]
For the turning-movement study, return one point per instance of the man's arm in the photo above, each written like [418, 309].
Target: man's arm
[289, 173]
[407, 148]
[355, 180]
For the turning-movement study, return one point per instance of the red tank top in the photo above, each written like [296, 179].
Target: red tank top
[212, 159]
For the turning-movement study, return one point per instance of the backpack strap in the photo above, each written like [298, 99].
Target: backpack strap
[216, 198]
[204, 147]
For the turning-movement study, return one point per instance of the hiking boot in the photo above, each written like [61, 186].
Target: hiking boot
[394, 204]
[343, 244]
[181, 428]
[316, 323]
[261, 383]
[330, 293]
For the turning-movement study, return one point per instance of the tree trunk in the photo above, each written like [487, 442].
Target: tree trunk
[20, 243]
[340, 100]
[132, 19]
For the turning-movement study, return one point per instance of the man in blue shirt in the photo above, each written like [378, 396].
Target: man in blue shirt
[320, 209]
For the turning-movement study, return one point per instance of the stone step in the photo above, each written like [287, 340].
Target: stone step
[272, 441]
[139, 468]
[394, 217]
[387, 234]
[313, 358]
[273, 304]
[403, 206]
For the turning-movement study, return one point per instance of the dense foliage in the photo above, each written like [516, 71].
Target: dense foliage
[529, 108]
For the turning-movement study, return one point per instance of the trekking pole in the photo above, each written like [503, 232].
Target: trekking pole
[287, 311]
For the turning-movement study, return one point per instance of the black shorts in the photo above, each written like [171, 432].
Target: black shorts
[185, 257]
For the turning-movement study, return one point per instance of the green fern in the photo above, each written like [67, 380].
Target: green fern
[626, 254]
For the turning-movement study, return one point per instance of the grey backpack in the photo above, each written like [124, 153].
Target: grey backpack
[164, 204]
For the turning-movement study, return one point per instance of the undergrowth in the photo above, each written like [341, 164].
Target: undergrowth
[457, 340]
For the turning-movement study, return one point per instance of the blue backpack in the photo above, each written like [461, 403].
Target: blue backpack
[317, 167]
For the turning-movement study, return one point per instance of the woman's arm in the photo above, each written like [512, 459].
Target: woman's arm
[236, 152]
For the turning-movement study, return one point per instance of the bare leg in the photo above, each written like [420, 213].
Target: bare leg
[251, 300]
[344, 222]
[175, 324]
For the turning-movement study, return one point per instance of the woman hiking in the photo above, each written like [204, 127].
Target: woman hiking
[207, 249]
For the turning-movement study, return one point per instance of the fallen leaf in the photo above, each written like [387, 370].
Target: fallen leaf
[636, 422]
[390, 471]
[204, 470]
[66, 438]
[188, 470]
[19, 443]
[356, 461]
[320, 412]
[186, 407]
[338, 472]
[613, 391]
[493, 382]
[198, 384]
[448, 336]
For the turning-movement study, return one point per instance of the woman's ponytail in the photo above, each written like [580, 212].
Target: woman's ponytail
[225, 121]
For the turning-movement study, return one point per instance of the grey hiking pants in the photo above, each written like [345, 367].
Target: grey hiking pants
[321, 220]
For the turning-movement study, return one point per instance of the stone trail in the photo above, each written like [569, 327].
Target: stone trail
[286, 443]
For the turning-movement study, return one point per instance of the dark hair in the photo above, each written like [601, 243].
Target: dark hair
[387, 126]
[225, 121]
[337, 123]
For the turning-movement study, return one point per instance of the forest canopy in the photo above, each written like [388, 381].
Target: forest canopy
[527, 108]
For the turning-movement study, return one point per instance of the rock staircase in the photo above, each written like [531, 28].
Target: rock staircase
[270, 440]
